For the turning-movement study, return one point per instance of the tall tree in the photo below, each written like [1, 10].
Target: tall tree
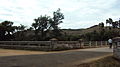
[45, 23]
[6, 30]
[57, 19]
[41, 25]
[109, 21]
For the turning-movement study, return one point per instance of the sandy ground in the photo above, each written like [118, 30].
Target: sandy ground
[70, 58]
[10, 52]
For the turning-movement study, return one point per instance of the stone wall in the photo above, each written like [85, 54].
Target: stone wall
[116, 50]
[51, 45]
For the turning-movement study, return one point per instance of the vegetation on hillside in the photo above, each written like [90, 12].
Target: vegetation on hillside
[98, 32]
[46, 27]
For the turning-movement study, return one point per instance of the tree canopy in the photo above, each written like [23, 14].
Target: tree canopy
[46, 27]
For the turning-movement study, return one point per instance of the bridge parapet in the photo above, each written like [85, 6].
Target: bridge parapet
[51, 45]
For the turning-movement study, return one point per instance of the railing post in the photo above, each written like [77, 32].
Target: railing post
[96, 43]
[118, 43]
[101, 44]
[82, 44]
[53, 43]
[90, 44]
[106, 43]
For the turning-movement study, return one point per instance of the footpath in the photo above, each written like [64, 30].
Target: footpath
[69, 58]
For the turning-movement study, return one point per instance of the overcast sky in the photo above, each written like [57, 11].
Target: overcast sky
[78, 13]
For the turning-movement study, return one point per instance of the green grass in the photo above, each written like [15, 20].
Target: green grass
[105, 62]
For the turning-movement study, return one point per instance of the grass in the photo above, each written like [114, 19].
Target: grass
[105, 62]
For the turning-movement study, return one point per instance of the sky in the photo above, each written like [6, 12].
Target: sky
[78, 13]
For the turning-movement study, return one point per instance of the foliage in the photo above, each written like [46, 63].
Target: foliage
[41, 25]
[44, 24]
[46, 27]
[56, 20]
[6, 30]
[115, 24]
[101, 24]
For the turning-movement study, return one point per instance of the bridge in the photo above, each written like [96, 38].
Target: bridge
[51, 45]
[69, 58]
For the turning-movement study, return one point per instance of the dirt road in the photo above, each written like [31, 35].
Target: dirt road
[70, 58]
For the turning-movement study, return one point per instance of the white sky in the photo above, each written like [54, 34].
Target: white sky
[78, 13]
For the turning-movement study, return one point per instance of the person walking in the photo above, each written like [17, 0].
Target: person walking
[110, 43]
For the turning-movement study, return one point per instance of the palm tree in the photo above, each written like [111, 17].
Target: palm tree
[109, 21]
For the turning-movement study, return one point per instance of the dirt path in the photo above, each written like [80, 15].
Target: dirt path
[69, 58]
[9, 52]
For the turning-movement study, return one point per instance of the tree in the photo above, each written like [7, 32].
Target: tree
[57, 19]
[109, 21]
[2, 32]
[101, 24]
[6, 30]
[45, 23]
[30, 29]
[114, 24]
[21, 27]
[20, 32]
[41, 25]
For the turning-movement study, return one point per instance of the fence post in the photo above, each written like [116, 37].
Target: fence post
[96, 43]
[53, 43]
[90, 44]
[106, 43]
[118, 43]
[81, 43]
[101, 44]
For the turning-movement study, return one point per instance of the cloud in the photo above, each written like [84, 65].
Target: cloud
[78, 13]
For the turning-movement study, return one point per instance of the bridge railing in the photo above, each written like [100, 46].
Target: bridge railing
[94, 43]
[34, 45]
[51, 45]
